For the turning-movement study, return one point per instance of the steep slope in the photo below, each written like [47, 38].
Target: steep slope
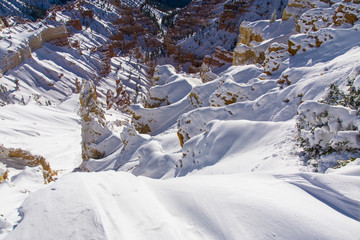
[44, 66]
[204, 25]
[47, 62]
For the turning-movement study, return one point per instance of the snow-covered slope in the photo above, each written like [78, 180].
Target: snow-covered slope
[267, 148]
[43, 67]
[113, 205]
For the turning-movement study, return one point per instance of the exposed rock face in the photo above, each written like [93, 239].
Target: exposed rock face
[229, 19]
[19, 159]
[135, 30]
[132, 30]
[245, 52]
[244, 55]
[13, 58]
[87, 13]
[309, 18]
[308, 41]
[204, 25]
[94, 129]
[52, 33]
[107, 52]
[35, 42]
[315, 19]
[247, 35]
[195, 16]
[295, 8]
[3, 23]
[206, 74]
[219, 58]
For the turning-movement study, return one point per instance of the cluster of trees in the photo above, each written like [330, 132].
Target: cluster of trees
[168, 4]
[38, 11]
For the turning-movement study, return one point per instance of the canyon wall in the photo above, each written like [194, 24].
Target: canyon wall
[13, 58]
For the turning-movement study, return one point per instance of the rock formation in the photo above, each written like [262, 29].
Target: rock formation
[14, 57]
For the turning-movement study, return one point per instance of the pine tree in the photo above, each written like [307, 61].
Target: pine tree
[273, 17]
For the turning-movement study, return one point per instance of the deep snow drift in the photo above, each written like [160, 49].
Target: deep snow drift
[116, 205]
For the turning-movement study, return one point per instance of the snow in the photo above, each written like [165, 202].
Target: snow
[240, 146]
[14, 192]
[112, 205]
[53, 132]
[217, 160]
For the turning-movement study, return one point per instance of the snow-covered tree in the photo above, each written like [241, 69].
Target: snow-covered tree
[331, 126]
[273, 17]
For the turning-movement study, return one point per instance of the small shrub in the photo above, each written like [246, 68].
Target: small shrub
[329, 127]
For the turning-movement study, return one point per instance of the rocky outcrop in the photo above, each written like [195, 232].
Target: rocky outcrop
[107, 52]
[93, 125]
[206, 74]
[274, 56]
[347, 12]
[245, 51]
[313, 24]
[219, 58]
[244, 55]
[3, 23]
[194, 18]
[295, 8]
[18, 158]
[52, 33]
[229, 19]
[255, 39]
[315, 19]
[135, 30]
[35, 42]
[247, 35]
[269, 43]
[13, 58]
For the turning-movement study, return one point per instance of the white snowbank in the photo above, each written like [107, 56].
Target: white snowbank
[116, 205]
